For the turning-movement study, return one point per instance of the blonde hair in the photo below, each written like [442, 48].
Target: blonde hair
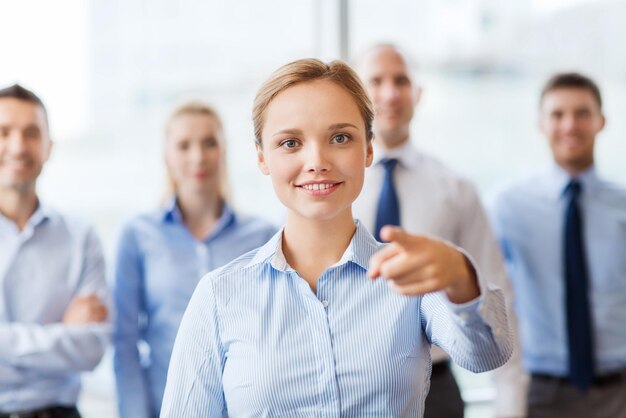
[307, 70]
[197, 107]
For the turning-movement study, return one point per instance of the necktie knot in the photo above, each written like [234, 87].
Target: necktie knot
[573, 188]
[389, 164]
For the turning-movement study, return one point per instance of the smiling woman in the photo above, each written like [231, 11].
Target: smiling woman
[316, 162]
[300, 326]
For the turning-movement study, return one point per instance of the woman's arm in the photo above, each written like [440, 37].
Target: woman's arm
[131, 381]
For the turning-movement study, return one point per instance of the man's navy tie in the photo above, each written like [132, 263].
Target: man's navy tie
[388, 207]
[579, 332]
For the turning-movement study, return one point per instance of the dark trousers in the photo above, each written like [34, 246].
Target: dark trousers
[444, 398]
[49, 412]
[550, 397]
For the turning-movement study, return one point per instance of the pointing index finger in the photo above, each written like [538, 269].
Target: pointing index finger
[380, 257]
[399, 236]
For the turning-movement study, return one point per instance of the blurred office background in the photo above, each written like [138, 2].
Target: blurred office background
[110, 71]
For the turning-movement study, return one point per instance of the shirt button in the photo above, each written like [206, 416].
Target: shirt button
[325, 303]
[464, 316]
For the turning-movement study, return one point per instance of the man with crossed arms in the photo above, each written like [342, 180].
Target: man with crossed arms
[53, 323]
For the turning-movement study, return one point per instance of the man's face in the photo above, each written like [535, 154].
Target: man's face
[570, 119]
[388, 80]
[24, 143]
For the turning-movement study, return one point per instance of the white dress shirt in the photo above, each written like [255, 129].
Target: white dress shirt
[436, 201]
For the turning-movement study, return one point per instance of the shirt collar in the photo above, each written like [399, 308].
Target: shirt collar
[406, 154]
[171, 213]
[558, 179]
[226, 218]
[361, 248]
[269, 250]
[41, 214]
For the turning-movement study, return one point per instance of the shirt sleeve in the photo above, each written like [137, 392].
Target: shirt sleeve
[130, 376]
[194, 381]
[60, 348]
[11, 375]
[477, 238]
[474, 334]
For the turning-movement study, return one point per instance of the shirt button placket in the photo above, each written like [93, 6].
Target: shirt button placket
[202, 258]
[328, 378]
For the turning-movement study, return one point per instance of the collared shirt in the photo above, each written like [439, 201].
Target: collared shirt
[438, 202]
[42, 269]
[255, 340]
[159, 264]
[529, 218]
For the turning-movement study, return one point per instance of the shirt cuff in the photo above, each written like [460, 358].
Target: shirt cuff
[467, 311]
[480, 309]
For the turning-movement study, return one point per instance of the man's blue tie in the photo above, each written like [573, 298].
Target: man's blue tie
[388, 207]
[579, 328]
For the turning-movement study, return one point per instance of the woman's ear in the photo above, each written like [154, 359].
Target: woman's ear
[369, 153]
[260, 158]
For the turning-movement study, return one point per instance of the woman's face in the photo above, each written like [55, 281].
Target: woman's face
[194, 152]
[315, 148]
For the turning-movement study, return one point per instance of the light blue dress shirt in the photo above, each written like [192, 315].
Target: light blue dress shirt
[42, 268]
[255, 340]
[529, 219]
[159, 264]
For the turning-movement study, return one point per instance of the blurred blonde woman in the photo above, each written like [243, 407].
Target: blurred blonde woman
[162, 255]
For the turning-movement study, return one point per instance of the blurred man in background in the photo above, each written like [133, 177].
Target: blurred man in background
[53, 322]
[563, 232]
[408, 188]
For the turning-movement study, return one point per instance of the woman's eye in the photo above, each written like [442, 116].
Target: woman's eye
[290, 143]
[340, 139]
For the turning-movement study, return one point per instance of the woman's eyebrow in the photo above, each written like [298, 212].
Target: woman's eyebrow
[341, 126]
[291, 131]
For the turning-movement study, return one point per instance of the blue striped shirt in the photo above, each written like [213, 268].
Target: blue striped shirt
[159, 264]
[255, 341]
[529, 219]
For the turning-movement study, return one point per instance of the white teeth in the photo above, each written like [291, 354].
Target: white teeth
[317, 186]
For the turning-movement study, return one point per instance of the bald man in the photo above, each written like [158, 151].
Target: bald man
[415, 191]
